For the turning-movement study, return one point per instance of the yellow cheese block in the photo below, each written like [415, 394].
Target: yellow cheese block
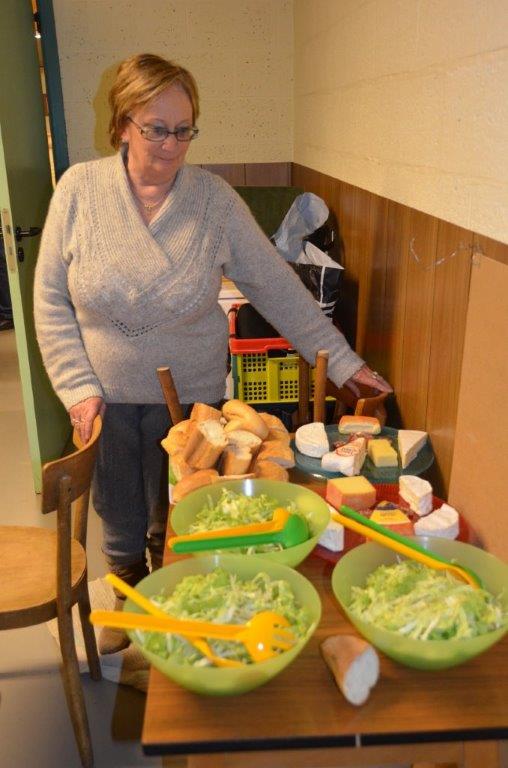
[382, 454]
[355, 492]
[389, 516]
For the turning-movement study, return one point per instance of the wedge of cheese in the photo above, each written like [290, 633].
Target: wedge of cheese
[311, 440]
[410, 441]
[392, 517]
[355, 492]
[347, 459]
[444, 522]
[417, 492]
[351, 424]
[382, 454]
[333, 537]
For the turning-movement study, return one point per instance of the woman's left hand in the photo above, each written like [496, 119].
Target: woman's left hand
[368, 378]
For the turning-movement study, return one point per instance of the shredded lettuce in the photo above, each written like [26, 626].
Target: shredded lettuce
[237, 509]
[425, 604]
[222, 598]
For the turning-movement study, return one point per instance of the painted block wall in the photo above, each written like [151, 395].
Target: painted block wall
[239, 51]
[408, 99]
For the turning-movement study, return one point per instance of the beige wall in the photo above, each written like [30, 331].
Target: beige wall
[408, 99]
[240, 51]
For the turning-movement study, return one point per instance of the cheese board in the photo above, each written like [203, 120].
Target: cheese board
[313, 467]
[388, 492]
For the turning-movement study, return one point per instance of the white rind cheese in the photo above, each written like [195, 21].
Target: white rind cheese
[347, 459]
[410, 441]
[311, 440]
[417, 492]
[444, 522]
[333, 536]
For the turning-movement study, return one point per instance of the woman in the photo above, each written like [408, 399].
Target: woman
[128, 277]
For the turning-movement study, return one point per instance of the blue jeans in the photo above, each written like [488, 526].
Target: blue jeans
[130, 487]
[5, 296]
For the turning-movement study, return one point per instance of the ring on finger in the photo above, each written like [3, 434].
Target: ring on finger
[375, 374]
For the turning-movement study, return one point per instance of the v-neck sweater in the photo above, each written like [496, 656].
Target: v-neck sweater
[115, 298]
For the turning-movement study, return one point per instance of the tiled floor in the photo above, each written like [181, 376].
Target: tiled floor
[35, 729]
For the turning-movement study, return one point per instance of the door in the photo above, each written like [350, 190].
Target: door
[25, 190]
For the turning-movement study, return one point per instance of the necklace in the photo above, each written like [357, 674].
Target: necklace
[151, 206]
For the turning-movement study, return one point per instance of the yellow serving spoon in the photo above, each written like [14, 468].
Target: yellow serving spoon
[147, 605]
[349, 518]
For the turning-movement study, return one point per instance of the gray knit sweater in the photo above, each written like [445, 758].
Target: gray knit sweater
[115, 299]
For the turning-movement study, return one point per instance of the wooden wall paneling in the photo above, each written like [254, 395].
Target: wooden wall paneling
[233, 173]
[420, 243]
[268, 174]
[451, 295]
[480, 459]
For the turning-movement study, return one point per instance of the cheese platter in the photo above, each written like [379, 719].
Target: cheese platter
[313, 465]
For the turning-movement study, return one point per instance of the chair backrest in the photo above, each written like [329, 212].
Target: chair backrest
[368, 404]
[78, 466]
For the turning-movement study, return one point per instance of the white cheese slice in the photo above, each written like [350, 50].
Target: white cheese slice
[333, 536]
[311, 440]
[410, 441]
[417, 492]
[443, 522]
[347, 459]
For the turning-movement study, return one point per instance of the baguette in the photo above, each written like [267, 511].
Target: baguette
[244, 439]
[354, 664]
[269, 470]
[239, 415]
[176, 438]
[205, 444]
[203, 412]
[236, 460]
[277, 451]
[192, 482]
[179, 466]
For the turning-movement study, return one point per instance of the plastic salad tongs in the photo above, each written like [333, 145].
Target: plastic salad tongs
[149, 607]
[349, 518]
[284, 528]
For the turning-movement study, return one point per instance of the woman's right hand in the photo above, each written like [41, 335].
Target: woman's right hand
[82, 416]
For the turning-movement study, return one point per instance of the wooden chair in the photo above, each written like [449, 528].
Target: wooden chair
[43, 573]
[170, 395]
[370, 402]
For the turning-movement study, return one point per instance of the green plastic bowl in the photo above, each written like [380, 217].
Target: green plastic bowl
[223, 681]
[309, 504]
[355, 566]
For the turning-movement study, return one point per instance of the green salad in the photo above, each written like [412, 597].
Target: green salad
[425, 604]
[237, 509]
[222, 598]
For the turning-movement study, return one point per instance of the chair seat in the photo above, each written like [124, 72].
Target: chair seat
[28, 574]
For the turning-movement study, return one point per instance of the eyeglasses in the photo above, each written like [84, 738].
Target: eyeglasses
[158, 133]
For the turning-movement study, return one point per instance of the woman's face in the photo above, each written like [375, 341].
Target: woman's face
[159, 161]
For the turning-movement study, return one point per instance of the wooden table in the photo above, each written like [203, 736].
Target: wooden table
[301, 719]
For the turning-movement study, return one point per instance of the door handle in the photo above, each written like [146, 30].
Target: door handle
[30, 232]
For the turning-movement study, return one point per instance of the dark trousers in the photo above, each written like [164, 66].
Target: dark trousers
[5, 296]
[130, 488]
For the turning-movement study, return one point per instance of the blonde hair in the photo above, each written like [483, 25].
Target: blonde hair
[138, 80]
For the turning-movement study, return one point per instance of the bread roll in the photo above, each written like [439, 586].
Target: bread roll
[239, 415]
[354, 664]
[273, 422]
[206, 441]
[278, 436]
[192, 482]
[203, 412]
[269, 470]
[245, 439]
[278, 452]
[236, 460]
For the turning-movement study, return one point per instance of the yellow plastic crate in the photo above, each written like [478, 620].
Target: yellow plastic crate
[260, 378]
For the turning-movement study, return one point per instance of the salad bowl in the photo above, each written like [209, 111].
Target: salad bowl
[353, 569]
[306, 503]
[215, 680]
